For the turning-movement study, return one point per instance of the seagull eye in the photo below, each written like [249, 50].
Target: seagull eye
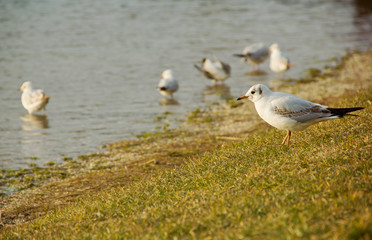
[253, 91]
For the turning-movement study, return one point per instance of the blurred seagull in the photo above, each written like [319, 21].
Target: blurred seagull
[217, 71]
[278, 62]
[255, 54]
[168, 84]
[33, 100]
[288, 112]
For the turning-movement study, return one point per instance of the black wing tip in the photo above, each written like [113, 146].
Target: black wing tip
[341, 112]
[238, 55]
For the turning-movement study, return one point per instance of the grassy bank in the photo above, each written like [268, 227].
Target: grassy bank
[321, 187]
[231, 181]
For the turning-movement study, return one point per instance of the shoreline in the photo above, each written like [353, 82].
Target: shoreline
[131, 160]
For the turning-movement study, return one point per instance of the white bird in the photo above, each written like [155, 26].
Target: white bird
[278, 62]
[168, 83]
[33, 100]
[255, 54]
[217, 71]
[288, 112]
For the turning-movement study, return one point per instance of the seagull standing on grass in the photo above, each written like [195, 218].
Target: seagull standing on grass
[254, 54]
[33, 100]
[217, 71]
[168, 84]
[278, 62]
[288, 112]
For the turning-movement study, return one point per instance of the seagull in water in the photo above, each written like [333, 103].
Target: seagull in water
[254, 54]
[168, 84]
[217, 71]
[288, 112]
[33, 100]
[278, 62]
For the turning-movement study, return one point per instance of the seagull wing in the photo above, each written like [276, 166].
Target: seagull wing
[300, 109]
[166, 84]
[221, 65]
[38, 96]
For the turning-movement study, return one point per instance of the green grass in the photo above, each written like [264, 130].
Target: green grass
[318, 188]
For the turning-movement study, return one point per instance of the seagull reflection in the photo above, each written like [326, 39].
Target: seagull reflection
[256, 73]
[168, 101]
[34, 122]
[221, 90]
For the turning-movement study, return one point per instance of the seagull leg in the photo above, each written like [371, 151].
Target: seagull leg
[287, 138]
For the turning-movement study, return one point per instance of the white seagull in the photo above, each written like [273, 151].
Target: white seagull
[217, 71]
[168, 84]
[255, 54]
[278, 62]
[288, 112]
[33, 100]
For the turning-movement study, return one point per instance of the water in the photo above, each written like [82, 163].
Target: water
[101, 62]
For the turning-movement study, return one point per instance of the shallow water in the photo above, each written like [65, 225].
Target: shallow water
[101, 61]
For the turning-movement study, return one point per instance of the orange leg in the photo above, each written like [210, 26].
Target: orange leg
[287, 138]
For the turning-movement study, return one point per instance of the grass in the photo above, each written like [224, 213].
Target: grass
[223, 175]
[319, 188]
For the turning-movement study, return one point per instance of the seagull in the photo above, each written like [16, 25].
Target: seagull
[278, 62]
[288, 112]
[255, 54]
[33, 100]
[217, 71]
[168, 84]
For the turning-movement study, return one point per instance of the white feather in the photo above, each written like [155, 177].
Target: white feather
[33, 100]
[168, 84]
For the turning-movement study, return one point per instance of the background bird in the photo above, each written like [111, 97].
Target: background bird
[167, 84]
[254, 54]
[288, 112]
[217, 70]
[33, 100]
[278, 62]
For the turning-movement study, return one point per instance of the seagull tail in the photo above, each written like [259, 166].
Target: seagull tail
[199, 68]
[238, 55]
[47, 98]
[341, 112]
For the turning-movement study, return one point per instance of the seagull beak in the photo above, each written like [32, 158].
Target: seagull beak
[19, 89]
[242, 97]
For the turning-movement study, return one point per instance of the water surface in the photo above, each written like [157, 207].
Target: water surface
[101, 62]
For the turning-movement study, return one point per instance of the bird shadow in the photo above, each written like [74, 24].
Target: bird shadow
[256, 73]
[34, 122]
[221, 90]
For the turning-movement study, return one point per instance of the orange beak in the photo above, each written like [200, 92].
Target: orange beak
[19, 89]
[242, 97]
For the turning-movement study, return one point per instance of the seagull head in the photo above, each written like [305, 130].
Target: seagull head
[274, 47]
[167, 74]
[206, 61]
[25, 86]
[256, 92]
